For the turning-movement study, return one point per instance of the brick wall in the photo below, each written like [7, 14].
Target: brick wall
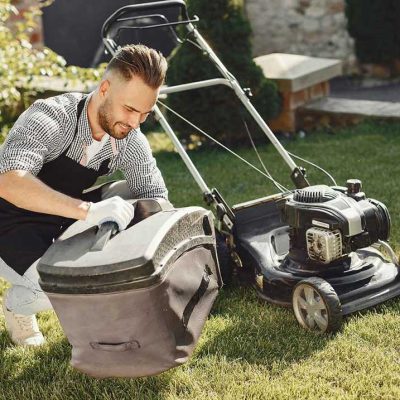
[287, 120]
[35, 34]
[308, 27]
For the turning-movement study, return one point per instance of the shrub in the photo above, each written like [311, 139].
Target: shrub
[217, 110]
[374, 24]
[20, 62]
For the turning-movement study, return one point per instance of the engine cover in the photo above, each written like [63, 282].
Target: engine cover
[326, 223]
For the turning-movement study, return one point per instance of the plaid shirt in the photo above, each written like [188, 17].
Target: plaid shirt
[46, 129]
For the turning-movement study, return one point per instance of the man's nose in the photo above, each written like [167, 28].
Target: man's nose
[134, 120]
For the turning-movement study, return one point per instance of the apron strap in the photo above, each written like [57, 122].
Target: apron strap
[79, 109]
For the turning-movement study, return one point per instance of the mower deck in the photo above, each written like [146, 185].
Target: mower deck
[363, 280]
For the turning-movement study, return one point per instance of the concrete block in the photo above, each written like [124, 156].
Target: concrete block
[293, 73]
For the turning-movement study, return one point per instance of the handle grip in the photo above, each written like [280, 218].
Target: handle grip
[142, 7]
[103, 235]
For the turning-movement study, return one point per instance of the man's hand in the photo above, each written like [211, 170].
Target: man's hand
[26, 191]
[114, 209]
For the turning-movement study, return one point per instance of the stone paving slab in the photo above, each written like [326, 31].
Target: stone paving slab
[293, 72]
[365, 88]
[364, 108]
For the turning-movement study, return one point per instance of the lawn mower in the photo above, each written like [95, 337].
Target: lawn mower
[315, 248]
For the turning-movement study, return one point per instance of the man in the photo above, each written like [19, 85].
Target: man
[55, 151]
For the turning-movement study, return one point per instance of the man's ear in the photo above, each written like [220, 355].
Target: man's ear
[104, 87]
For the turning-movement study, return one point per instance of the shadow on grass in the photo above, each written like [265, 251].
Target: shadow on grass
[241, 328]
[251, 330]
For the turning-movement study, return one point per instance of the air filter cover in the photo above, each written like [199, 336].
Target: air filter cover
[315, 194]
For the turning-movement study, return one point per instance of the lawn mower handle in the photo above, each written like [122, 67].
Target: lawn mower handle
[143, 7]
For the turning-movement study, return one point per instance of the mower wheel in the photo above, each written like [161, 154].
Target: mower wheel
[317, 306]
[224, 258]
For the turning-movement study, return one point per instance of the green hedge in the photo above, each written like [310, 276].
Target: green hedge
[217, 110]
[375, 26]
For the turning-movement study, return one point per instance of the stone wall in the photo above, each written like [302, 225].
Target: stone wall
[36, 34]
[308, 27]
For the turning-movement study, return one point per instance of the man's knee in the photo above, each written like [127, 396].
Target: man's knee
[25, 296]
[26, 301]
[107, 190]
[119, 188]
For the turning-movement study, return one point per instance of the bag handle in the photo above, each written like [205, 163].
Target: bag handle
[103, 235]
[115, 347]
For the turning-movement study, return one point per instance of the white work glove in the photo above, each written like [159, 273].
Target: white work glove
[114, 209]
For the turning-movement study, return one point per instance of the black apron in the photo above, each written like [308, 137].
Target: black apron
[25, 235]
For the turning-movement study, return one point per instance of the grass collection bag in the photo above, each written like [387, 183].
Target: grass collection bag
[134, 305]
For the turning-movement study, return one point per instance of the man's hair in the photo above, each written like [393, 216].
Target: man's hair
[139, 60]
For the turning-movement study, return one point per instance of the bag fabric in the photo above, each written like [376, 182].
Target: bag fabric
[143, 331]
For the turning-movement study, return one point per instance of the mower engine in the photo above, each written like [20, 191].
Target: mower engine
[327, 223]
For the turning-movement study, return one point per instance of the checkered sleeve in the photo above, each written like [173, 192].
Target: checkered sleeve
[140, 169]
[35, 137]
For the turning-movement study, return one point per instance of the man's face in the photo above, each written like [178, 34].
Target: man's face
[125, 105]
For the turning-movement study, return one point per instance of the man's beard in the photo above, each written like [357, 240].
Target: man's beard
[106, 123]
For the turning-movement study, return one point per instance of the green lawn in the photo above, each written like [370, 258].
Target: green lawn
[249, 349]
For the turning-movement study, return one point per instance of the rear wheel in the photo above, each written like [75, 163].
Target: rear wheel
[317, 306]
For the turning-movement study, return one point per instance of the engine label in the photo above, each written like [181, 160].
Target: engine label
[320, 224]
